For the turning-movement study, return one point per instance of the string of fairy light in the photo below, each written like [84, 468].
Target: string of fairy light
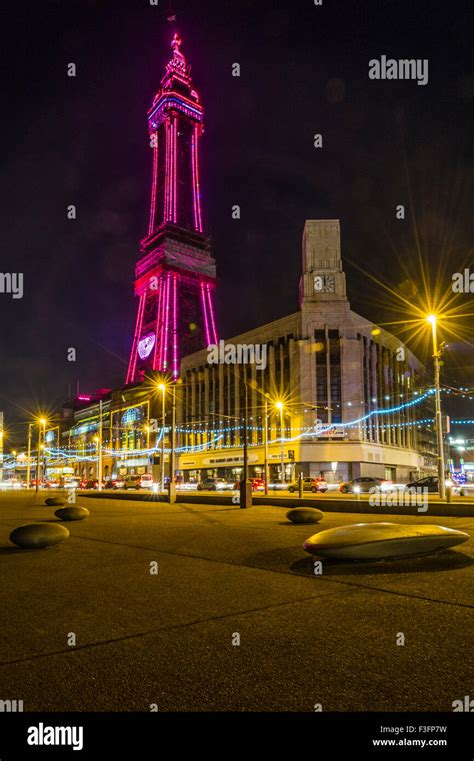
[215, 436]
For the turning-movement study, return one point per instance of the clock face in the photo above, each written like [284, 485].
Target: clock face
[145, 345]
[324, 283]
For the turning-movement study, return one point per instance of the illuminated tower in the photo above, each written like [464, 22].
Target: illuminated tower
[175, 276]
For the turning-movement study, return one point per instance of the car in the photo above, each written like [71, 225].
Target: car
[312, 484]
[214, 484]
[113, 483]
[365, 485]
[258, 484]
[142, 481]
[91, 483]
[430, 483]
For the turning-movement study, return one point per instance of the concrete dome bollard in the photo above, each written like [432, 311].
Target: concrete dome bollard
[38, 535]
[304, 515]
[72, 513]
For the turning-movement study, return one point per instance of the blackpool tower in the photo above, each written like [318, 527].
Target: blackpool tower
[175, 276]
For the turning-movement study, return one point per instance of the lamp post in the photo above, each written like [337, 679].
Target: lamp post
[245, 484]
[99, 462]
[172, 485]
[43, 447]
[28, 466]
[265, 440]
[95, 439]
[432, 319]
[279, 406]
[162, 388]
[41, 424]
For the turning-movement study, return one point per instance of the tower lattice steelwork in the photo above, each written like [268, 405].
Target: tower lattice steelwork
[175, 276]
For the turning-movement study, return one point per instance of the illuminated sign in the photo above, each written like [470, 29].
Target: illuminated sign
[145, 345]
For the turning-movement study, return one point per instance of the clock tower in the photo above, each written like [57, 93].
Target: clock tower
[323, 279]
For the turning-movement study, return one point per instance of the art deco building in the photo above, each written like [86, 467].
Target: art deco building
[350, 391]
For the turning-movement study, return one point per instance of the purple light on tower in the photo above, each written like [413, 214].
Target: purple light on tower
[175, 276]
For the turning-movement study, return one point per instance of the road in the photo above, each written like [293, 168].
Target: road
[234, 619]
[332, 494]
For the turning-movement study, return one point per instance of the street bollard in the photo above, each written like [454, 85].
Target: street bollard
[171, 493]
[449, 494]
[245, 494]
[300, 485]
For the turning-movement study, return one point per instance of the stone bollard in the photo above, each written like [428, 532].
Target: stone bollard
[245, 494]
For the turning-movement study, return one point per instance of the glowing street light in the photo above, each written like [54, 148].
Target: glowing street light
[162, 387]
[41, 422]
[432, 319]
[279, 405]
[147, 429]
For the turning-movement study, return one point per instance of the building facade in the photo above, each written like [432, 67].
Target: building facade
[350, 394]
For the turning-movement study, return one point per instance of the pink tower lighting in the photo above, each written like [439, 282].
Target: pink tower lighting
[175, 275]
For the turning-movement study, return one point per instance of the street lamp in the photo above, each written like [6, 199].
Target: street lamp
[279, 406]
[147, 430]
[433, 320]
[265, 441]
[162, 388]
[172, 485]
[41, 425]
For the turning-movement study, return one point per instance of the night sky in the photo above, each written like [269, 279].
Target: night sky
[304, 70]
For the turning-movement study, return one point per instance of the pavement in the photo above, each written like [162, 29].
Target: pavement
[226, 575]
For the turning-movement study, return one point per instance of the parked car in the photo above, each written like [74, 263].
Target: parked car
[258, 484]
[142, 481]
[114, 483]
[91, 483]
[214, 484]
[365, 485]
[310, 484]
[431, 484]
